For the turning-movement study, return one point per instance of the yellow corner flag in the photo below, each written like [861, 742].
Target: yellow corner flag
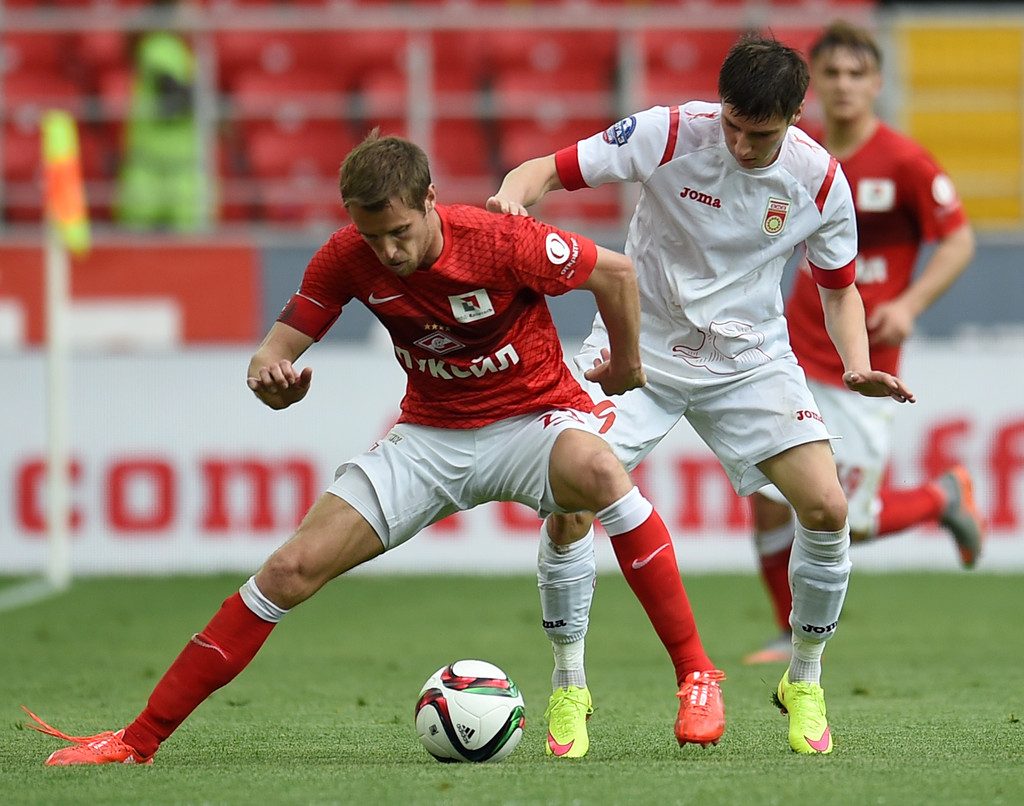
[62, 170]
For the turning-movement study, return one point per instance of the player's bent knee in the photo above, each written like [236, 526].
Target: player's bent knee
[826, 516]
[564, 529]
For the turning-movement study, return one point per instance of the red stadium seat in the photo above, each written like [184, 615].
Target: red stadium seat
[21, 51]
[99, 51]
[565, 93]
[27, 94]
[114, 90]
[683, 65]
[553, 75]
[463, 148]
[384, 93]
[297, 170]
[525, 138]
[21, 154]
[553, 51]
[312, 148]
[274, 52]
[294, 94]
[363, 53]
[460, 61]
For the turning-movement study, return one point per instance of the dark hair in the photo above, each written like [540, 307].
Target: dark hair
[380, 169]
[763, 79]
[841, 34]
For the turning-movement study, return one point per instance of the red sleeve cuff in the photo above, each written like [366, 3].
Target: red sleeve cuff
[307, 316]
[567, 164]
[834, 278]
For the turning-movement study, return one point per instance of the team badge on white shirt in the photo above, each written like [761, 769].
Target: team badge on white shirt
[775, 216]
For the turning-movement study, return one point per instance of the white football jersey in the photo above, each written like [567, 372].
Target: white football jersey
[709, 238]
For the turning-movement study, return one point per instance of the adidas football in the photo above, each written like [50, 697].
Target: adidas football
[470, 711]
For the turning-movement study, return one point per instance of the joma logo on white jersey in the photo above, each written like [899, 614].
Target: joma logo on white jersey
[703, 198]
[503, 359]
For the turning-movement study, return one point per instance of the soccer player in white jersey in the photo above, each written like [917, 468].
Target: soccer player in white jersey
[728, 191]
[903, 199]
[491, 413]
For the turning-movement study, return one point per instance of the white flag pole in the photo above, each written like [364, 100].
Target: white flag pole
[58, 460]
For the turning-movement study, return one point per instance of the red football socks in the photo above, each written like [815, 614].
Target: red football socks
[775, 573]
[210, 660]
[648, 562]
[902, 509]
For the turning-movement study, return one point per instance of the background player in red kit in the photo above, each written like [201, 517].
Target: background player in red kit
[903, 200]
[491, 412]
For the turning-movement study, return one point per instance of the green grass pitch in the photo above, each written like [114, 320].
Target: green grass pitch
[925, 686]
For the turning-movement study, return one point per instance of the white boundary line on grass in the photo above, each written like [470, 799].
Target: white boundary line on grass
[27, 593]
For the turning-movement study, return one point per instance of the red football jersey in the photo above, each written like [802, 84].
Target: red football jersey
[903, 199]
[473, 331]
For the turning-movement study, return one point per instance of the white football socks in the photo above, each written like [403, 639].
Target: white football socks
[566, 576]
[819, 574]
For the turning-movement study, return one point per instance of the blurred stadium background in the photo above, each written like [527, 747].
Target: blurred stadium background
[177, 468]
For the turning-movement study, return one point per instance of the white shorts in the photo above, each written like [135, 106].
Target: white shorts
[743, 418]
[865, 425]
[418, 475]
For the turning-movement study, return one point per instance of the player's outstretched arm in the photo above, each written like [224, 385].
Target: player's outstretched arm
[613, 284]
[525, 185]
[272, 377]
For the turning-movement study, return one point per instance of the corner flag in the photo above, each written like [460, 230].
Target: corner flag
[63, 191]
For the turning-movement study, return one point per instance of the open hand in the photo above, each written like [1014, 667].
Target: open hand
[878, 384]
[279, 384]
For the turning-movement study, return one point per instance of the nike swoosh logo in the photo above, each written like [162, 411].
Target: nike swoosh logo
[821, 745]
[558, 749]
[638, 564]
[375, 300]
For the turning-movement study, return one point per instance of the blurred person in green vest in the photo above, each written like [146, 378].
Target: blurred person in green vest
[162, 183]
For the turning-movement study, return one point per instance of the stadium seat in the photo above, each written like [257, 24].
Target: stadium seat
[296, 169]
[553, 51]
[26, 94]
[241, 52]
[569, 92]
[383, 93]
[33, 50]
[460, 62]
[311, 148]
[21, 160]
[295, 94]
[682, 65]
[525, 138]
[463, 148]
[113, 90]
[99, 51]
[363, 53]
[552, 75]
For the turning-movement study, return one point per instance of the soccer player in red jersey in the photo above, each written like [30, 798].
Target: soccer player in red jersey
[491, 413]
[903, 200]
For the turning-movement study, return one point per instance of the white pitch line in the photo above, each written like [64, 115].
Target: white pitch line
[26, 593]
